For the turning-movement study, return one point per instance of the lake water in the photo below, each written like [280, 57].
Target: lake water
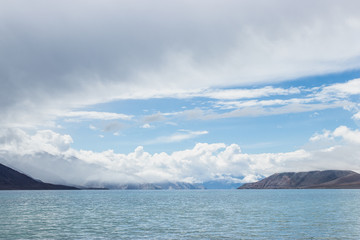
[183, 214]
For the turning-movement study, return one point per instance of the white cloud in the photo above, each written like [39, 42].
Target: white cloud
[16, 140]
[313, 99]
[246, 93]
[222, 45]
[88, 115]
[356, 116]
[47, 155]
[229, 105]
[92, 127]
[179, 136]
[342, 132]
[350, 136]
[257, 108]
[326, 134]
[146, 125]
[344, 89]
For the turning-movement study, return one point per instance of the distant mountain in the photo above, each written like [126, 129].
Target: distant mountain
[154, 186]
[314, 179]
[14, 180]
[220, 184]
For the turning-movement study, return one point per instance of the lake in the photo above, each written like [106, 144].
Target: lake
[181, 214]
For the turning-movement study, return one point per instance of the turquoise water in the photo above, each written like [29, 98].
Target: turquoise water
[188, 214]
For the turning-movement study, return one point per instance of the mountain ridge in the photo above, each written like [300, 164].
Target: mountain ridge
[11, 179]
[331, 179]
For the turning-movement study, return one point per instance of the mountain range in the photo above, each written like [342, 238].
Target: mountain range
[329, 179]
[154, 186]
[11, 179]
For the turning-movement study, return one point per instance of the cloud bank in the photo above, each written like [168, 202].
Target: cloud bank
[48, 156]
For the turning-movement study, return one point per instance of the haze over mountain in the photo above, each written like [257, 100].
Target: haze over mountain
[11, 179]
[312, 179]
[14, 180]
[155, 186]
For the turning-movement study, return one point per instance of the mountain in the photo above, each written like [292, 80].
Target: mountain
[153, 186]
[314, 179]
[14, 180]
[220, 184]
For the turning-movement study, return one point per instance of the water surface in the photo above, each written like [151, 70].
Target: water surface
[183, 214]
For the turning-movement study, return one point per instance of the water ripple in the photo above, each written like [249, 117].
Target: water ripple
[209, 214]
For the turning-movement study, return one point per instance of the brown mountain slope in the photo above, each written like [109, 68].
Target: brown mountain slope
[13, 180]
[313, 179]
[348, 181]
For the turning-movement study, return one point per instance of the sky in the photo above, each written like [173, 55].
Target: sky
[104, 92]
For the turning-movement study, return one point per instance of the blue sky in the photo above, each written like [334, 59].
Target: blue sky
[113, 92]
[155, 122]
